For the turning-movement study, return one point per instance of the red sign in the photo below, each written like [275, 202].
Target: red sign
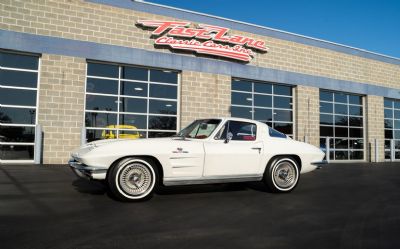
[205, 39]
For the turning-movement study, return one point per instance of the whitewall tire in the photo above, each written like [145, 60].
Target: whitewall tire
[282, 174]
[133, 179]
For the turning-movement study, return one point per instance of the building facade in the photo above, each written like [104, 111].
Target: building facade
[86, 70]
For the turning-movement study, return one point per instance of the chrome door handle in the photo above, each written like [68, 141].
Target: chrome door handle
[257, 148]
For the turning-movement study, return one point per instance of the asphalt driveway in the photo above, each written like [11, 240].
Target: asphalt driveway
[339, 206]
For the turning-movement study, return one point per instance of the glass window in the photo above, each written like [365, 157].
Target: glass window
[341, 119]
[263, 103]
[200, 129]
[242, 131]
[392, 126]
[102, 86]
[18, 78]
[138, 110]
[18, 111]
[102, 70]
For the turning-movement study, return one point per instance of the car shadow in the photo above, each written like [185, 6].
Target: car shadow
[90, 187]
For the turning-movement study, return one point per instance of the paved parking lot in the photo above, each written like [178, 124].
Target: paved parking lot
[339, 206]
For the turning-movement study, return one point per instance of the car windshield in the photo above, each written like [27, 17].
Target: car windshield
[200, 129]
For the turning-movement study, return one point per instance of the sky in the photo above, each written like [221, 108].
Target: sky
[373, 25]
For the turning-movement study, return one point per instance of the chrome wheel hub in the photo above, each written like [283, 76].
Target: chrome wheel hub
[285, 175]
[135, 179]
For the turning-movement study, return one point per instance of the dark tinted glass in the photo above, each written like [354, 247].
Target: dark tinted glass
[102, 70]
[262, 114]
[356, 155]
[388, 103]
[341, 132]
[163, 91]
[162, 123]
[341, 120]
[262, 88]
[396, 104]
[397, 124]
[281, 115]
[102, 86]
[341, 144]
[241, 99]
[355, 121]
[17, 97]
[282, 102]
[356, 144]
[388, 113]
[282, 90]
[19, 61]
[354, 99]
[355, 110]
[341, 155]
[134, 73]
[163, 76]
[104, 103]
[160, 134]
[262, 100]
[387, 144]
[241, 85]
[241, 112]
[139, 121]
[389, 134]
[17, 134]
[133, 105]
[18, 78]
[326, 96]
[16, 152]
[355, 132]
[326, 119]
[341, 109]
[326, 107]
[341, 97]
[133, 89]
[396, 134]
[284, 128]
[396, 114]
[397, 144]
[388, 123]
[162, 107]
[326, 131]
[93, 119]
[17, 115]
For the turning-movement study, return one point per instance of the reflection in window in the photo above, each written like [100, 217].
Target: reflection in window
[392, 127]
[341, 119]
[263, 101]
[130, 102]
[18, 97]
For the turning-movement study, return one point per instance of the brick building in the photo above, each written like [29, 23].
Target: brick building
[87, 70]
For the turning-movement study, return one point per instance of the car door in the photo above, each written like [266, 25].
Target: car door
[239, 155]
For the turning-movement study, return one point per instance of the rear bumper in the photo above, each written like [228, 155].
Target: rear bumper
[87, 172]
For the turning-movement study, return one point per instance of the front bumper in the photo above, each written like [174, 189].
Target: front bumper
[87, 172]
[319, 164]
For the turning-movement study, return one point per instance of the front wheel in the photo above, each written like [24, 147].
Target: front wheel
[133, 179]
[282, 174]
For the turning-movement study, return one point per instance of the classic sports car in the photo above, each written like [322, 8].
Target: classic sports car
[214, 150]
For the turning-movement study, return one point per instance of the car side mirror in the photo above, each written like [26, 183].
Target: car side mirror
[229, 137]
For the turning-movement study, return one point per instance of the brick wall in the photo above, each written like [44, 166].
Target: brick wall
[204, 95]
[375, 126]
[61, 93]
[307, 114]
[80, 20]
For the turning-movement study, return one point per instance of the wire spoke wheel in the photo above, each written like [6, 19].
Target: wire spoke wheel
[135, 179]
[285, 174]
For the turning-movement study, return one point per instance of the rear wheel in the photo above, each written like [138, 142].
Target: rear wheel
[133, 179]
[282, 174]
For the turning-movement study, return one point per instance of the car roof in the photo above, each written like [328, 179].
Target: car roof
[237, 119]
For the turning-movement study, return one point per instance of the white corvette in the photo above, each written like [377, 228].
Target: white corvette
[214, 150]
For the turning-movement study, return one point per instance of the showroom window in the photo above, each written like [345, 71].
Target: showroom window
[18, 105]
[392, 127]
[265, 102]
[130, 102]
[342, 120]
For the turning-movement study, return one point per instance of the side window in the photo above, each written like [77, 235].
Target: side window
[240, 131]
[275, 133]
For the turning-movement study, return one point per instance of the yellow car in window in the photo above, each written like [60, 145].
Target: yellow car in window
[111, 134]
